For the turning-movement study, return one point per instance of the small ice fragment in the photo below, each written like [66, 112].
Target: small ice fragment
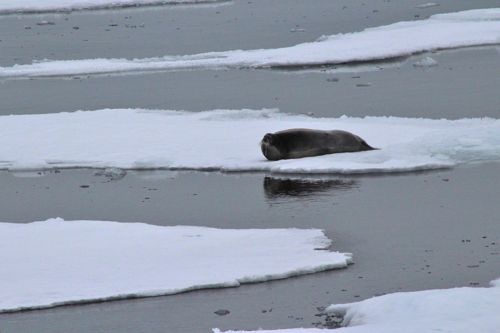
[425, 62]
[112, 173]
[45, 23]
[427, 5]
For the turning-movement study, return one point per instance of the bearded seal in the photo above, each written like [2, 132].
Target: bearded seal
[300, 142]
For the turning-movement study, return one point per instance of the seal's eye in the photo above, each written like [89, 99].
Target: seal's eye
[268, 138]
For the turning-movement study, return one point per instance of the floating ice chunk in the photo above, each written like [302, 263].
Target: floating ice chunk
[56, 262]
[45, 23]
[459, 310]
[452, 310]
[112, 173]
[495, 283]
[442, 31]
[427, 5]
[425, 62]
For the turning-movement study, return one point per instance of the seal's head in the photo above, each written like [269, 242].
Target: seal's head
[269, 147]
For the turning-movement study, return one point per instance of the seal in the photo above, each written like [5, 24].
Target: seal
[301, 142]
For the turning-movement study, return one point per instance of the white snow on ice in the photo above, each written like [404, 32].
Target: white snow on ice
[457, 310]
[228, 140]
[442, 31]
[43, 6]
[56, 262]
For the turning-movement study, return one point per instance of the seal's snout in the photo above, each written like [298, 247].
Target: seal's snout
[268, 148]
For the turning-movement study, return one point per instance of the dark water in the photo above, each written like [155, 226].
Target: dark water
[464, 84]
[407, 232]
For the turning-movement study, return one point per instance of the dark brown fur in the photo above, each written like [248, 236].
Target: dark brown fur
[298, 143]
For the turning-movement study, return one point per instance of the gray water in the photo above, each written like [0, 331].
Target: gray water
[409, 231]
[463, 85]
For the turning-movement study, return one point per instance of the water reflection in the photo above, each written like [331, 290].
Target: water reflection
[155, 175]
[279, 188]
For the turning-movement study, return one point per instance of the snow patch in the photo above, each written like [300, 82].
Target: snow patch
[57, 262]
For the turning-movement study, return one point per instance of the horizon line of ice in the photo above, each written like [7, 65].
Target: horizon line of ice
[55, 262]
[228, 141]
[49, 6]
[442, 31]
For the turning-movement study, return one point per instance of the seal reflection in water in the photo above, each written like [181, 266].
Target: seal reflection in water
[299, 142]
[276, 188]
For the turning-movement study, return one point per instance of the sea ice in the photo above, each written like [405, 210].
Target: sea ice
[228, 140]
[56, 262]
[112, 173]
[457, 310]
[427, 5]
[43, 6]
[442, 31]
[426, 62]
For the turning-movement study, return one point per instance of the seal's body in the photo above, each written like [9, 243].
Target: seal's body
[297, 143]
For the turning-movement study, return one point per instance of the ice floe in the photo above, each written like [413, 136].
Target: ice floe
[44, 6]
[458, 310]
[442, 31]
[56, 262]
[228, 140]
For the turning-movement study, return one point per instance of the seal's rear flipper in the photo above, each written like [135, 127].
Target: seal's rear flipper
[367, 146]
